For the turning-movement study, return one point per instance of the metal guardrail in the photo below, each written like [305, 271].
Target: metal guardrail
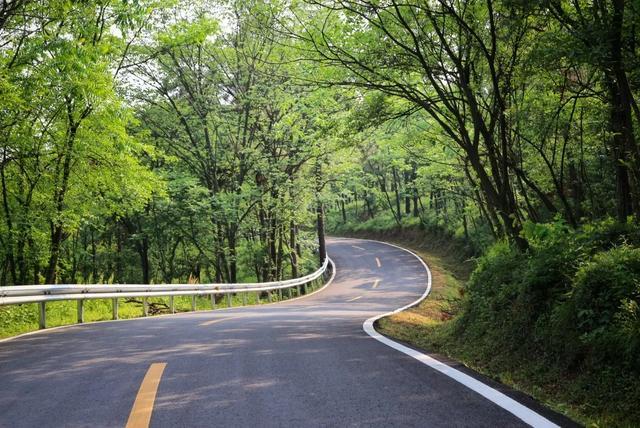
[41, 294]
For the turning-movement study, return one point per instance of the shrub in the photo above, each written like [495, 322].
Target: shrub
[603, 305]
[491, 302]
[573, 297]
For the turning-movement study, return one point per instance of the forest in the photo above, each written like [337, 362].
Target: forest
[159, 141]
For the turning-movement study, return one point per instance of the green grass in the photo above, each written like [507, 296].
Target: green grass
[18, 319]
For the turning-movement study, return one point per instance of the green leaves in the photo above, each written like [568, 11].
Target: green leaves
[188, 33]
[72, 159]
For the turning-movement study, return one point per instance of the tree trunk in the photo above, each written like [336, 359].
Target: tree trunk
[622, 140]
[273, 250]
[322, 249]
[292, 250]
[407, 197]
[396, 190]
[368, 203]
[233, 263]
[143, 250]
[57, 231]
[355, 201]
[279, 255]
[54, 253]
[9, 247]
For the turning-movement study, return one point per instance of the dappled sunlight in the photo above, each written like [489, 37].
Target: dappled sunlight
[251, 355]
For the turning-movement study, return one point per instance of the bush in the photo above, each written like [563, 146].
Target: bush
[603, 305]
[562, 317]
[490, 289]
[568, 290]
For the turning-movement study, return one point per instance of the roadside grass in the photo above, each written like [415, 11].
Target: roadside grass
[18, 319]
[431, 326]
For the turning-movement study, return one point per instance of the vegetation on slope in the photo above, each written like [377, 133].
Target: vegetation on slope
[559, 322]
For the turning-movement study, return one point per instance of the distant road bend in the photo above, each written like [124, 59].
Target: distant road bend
[301, 363]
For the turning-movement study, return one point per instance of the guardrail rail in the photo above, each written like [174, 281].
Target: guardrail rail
[41, 294]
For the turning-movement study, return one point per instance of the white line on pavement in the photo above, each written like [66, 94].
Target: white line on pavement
[509, 404]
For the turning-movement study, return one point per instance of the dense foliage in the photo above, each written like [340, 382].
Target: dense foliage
[153, 142]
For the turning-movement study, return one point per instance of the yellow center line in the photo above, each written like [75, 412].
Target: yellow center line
[140, 415]
[216, 321]
[358, 248]
[378, 262]
[355, 298]
[375, 284]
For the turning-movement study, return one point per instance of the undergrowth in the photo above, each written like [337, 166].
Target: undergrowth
[559, 321]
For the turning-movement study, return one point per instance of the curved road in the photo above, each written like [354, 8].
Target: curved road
[306, 362]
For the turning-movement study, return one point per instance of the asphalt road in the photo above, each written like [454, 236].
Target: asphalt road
[302, 363]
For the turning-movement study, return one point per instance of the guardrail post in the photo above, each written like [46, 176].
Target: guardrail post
[274, 292]
[43, 314]
[80, 311]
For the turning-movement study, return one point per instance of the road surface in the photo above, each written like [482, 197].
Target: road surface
[306, 363]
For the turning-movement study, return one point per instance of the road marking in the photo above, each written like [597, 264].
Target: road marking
[378, 262]
[216, 321]
[509, 404]
[358, 248]
[375, 284]
[354, 299]
[140, 415]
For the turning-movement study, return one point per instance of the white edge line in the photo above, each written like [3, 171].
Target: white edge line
[180, 314]
[509, 404]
